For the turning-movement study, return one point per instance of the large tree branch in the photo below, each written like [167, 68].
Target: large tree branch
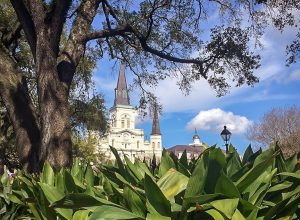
[27, 23]
[57, 21]
[75, 46]
[37, 14]
[107, 33]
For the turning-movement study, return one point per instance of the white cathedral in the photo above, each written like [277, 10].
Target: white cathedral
[122, 133]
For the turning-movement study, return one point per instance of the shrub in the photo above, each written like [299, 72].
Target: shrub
[261, 185]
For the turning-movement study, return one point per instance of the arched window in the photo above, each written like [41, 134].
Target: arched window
[158, 144]
[138, 144]
[153, 144]
[123, 123]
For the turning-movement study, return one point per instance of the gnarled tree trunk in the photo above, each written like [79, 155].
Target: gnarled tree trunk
[54, 108]
[14, 93]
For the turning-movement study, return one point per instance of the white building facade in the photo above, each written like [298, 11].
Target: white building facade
[122, 134]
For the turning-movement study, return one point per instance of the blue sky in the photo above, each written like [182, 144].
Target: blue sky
[278, 87]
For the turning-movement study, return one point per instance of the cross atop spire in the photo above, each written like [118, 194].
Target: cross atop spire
[155, 124]
[196, 136]
[121, 92]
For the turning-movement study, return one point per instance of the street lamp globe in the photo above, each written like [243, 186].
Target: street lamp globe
[225, 134]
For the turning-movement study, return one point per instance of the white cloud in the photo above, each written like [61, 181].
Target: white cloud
[215, 119]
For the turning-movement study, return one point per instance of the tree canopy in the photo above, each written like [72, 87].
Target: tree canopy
[45, 45]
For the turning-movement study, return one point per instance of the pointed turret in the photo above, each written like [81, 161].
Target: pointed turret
[155, 125]
[196, 138]
[121, 92]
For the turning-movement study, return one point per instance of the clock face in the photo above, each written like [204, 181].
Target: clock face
[126, 136]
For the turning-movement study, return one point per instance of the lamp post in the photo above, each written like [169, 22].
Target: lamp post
[225, 134]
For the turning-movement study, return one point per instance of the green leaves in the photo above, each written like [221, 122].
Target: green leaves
[166, 163]
[213, 186]
[111, 212]
[156, 198]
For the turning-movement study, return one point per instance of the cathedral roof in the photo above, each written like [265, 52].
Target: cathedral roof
[188, 148]
[155, 124]
[121, 92]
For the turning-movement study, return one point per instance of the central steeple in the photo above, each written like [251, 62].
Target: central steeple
[121, 92]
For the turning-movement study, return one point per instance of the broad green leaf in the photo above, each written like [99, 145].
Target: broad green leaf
[260, 192]
[139, 175]
[119, 162]
[51, 192]
[226, 206]
[172, 183]
[295, 174]
[156, 217]
[76, 170]
[166, 163]
[75, 201]
[253, 174]
[216, 163]
[60, 181]
[13, 198]
[247, 209]
[265, 155]
[205, 198]
[197, 180]
[183, 170]
[47, 175]
[135, 203]
[226, 186]
[183, 160]
[112, 212]
[156, 197]
[143, 168]
[136, 189]
[89, 175]
[34, 211]
[237, 215]
[280, 186]
[81, 215]
[248, 153]
[291, 163]
[215, 214]
[289, 194]
[233, 164]
[70, 185]
[253, 215]
[283, 205]
[280, 163]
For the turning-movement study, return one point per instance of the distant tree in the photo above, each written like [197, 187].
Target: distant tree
[153, 163]
[156, 38]
[85, 148]
[8, 153]
[280, 125]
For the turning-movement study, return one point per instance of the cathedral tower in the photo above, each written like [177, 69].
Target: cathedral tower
[155, 137]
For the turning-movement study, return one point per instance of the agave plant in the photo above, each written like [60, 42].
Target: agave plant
[261, 185]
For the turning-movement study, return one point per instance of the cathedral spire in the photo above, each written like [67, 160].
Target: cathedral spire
[155, 125]
[121, 92]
